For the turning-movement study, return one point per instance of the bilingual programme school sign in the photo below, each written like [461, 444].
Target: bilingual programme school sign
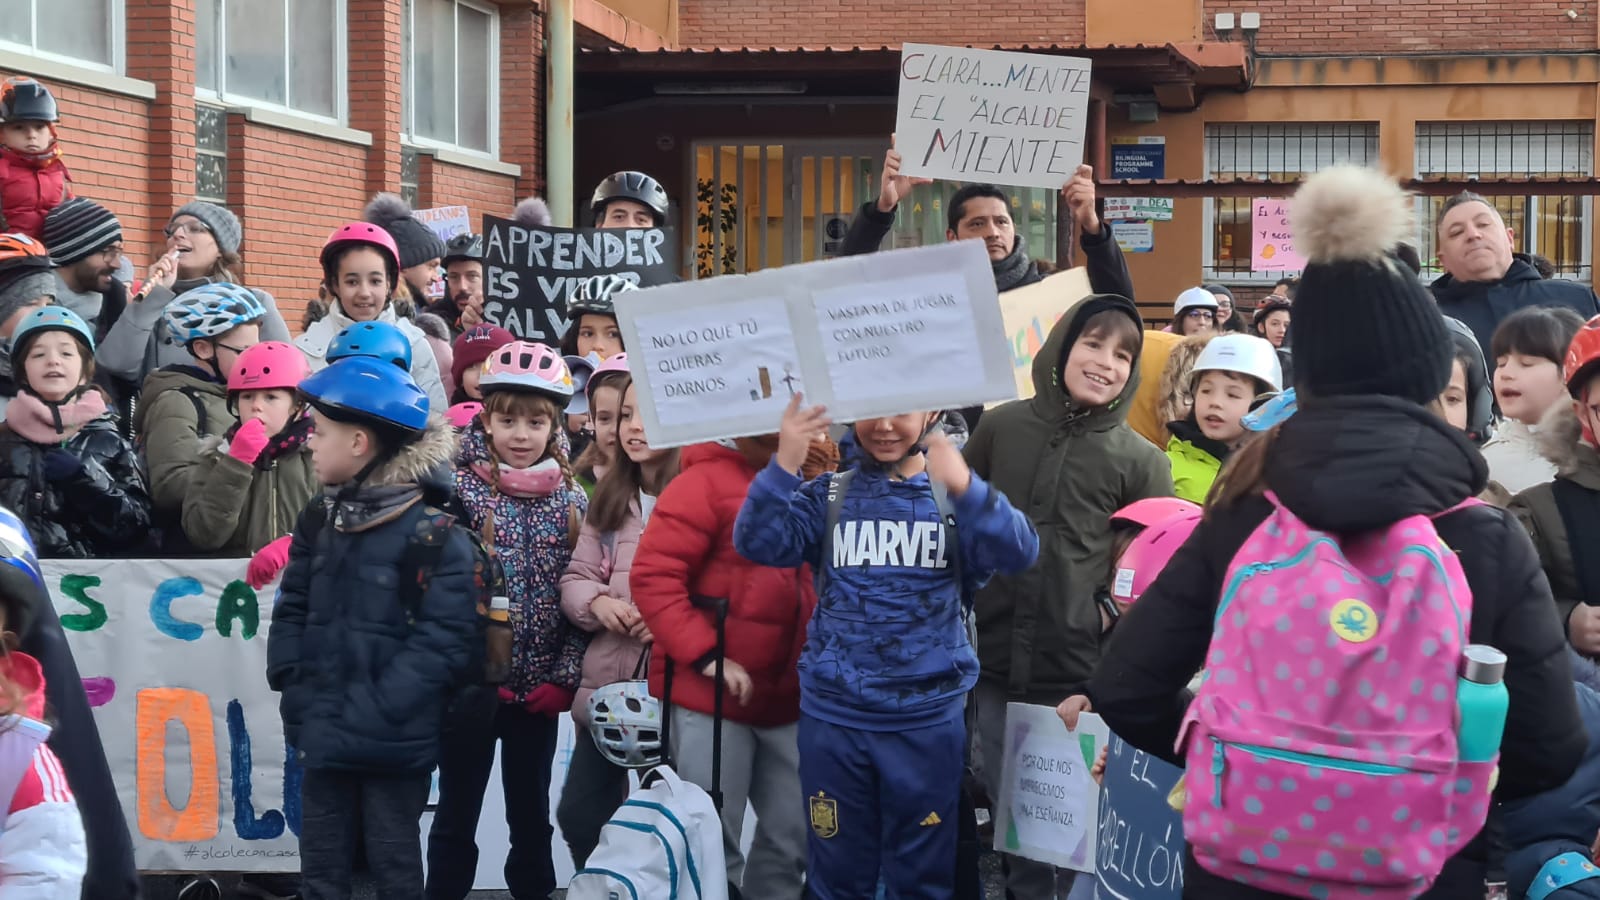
[1141, 836]
[1048, 807]
[991, 115]
[531, 273]
[867, 336]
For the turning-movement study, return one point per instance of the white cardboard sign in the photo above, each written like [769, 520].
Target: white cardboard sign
[991, 115]
[1049, 807]
[867, 336]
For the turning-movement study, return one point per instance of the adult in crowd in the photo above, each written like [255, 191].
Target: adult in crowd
[85, 242]
[983, 212]
[1229, 320]
[1484, 282]
[461, 307]
[202, 248]
[628, 200]
[1286, 287]
[420, 248]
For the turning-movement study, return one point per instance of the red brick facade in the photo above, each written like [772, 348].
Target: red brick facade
[1370, 27]
[849, 23]
[290, 188]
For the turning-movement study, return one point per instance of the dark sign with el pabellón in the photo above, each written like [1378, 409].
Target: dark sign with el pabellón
[530, 273]
[1140, 847]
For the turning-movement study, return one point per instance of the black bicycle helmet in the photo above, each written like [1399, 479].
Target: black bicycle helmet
[463, 248]
[635, 186]
[26, 100]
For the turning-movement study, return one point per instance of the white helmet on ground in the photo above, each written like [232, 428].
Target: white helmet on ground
[625, 722]
[1241, 353]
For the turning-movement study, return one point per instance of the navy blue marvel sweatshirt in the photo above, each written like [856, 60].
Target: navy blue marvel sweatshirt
[887, 647]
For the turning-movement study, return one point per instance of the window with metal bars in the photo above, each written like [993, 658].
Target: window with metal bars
[1554, 227]
[211, 153]
[1281, 152]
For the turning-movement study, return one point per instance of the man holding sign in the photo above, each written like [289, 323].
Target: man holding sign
[982, 212]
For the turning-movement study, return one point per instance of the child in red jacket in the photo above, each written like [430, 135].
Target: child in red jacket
[684, 569]
[33, 178]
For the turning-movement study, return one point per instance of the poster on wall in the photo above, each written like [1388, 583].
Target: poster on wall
[991, 115]
[1272, 241]
[531, 273]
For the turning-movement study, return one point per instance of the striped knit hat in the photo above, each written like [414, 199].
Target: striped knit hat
[76, 228]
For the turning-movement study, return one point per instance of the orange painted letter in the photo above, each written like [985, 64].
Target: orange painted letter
[159, 820]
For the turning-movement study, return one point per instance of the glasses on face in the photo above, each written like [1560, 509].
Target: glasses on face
[112, 252]
[191, 227]
[235, 350]
[1201, 314]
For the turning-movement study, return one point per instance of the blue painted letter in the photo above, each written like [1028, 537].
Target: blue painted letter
[161, 608]
[270, 825]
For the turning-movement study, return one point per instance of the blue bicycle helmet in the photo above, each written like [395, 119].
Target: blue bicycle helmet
[379, 340]
[49, 318]
[22, 587]
[211, 310]
[362, 390]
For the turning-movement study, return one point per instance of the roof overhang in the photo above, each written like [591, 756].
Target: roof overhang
[1178, 188]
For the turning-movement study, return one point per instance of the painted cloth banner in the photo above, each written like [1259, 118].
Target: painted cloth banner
[530, 273]
[1048, 804]
[1029, 314]
[991, 115]
[1141, 837]
[866, 336]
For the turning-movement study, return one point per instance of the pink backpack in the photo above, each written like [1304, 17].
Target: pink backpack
[1321, 748]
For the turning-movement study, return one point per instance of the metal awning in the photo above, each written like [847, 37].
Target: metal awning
[1180, 188]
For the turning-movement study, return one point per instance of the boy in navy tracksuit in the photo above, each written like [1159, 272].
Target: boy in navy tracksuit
[887, 662]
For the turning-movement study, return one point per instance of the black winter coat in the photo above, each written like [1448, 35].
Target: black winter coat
[365, 671]
[1352, 465]
[1483, 305]
[103, 510]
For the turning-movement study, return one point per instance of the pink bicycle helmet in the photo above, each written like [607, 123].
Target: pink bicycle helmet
[1150, 510]
[1150, 552]
[268, 365]
[362, 233]
[618, 363]
[462, 414]
[526, 366]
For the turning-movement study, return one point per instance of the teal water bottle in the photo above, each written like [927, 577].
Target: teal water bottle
[1481, 696]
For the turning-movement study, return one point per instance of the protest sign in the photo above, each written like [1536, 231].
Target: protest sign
[1141, 209]
[1272, 242]
[1030, 312]
[866, 336]
[991, 115]
[530, 273]
[1141, 837]
[445, 221]
[1048, 807]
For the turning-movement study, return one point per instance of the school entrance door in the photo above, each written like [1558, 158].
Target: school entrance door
[761, 204]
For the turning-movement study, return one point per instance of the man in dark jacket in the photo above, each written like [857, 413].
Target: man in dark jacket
[1483, 281]
[461, 307]
[983, 212]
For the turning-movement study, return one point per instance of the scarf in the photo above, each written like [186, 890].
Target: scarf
[41, 160]
[43, 422]
[1009, 272]
[368, 507]
[293, 436]
[538, 480]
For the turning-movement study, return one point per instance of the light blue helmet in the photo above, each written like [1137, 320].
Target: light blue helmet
[211, 310]
[49, 318]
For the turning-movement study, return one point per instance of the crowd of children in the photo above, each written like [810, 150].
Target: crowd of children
[1118, 541]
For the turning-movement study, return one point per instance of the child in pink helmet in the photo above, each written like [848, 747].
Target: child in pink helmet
[252, 481]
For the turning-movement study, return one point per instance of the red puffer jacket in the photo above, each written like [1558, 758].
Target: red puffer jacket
[687, 551]
[28, 190]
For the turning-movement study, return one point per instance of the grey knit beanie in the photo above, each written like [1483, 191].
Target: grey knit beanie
[30, 286]
[224, 224]
[78, 227]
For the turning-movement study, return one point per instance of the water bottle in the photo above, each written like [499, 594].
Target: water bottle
[1482, 699]
[498, 667]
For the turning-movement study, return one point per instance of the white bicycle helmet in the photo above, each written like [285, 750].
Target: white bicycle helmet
[1242, 354]
[211, 310]
[625, 722]
[597, 295]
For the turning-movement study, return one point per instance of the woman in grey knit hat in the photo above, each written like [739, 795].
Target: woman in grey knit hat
[202, 246]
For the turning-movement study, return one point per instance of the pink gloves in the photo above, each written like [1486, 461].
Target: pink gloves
[268, 562]
[546, 699]
[248, 442]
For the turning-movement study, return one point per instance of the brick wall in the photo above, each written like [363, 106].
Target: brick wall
[481, 192]
[777, 23]
[1366, 27]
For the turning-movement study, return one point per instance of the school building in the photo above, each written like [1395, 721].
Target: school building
[768, 120]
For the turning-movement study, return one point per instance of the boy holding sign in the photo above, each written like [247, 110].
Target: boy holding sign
[886, 667]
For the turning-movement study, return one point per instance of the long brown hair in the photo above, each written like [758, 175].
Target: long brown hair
[1244, 475]
[614, 495]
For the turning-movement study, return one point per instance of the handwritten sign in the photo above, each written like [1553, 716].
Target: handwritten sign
[445, 221]
[531, 273]
[898, 331]
[1272, 243]
[991, 115]
[1030, 312]
[1048, 809]
[1141, 837]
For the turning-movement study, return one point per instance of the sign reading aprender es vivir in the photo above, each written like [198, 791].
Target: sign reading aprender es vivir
[991, 115]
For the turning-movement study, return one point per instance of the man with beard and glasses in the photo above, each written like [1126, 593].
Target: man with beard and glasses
[461, 307]
[85, 242]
